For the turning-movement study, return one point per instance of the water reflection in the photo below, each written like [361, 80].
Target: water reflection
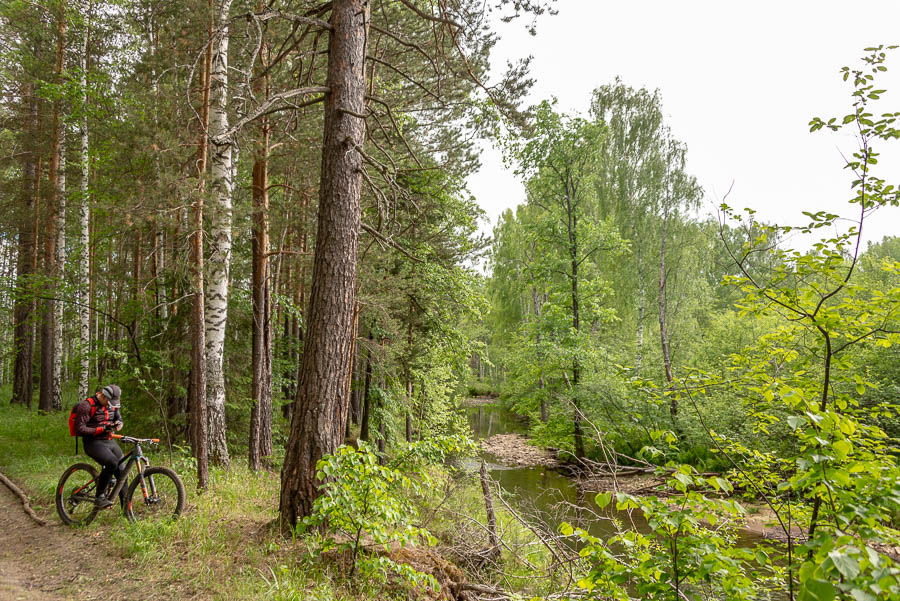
[547, 495]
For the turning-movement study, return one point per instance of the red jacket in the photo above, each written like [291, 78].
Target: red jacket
[91, 427]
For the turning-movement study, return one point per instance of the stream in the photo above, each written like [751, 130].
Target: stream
[545, 494]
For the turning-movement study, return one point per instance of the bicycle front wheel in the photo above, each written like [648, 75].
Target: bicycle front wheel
[161, 495]
[75, 495]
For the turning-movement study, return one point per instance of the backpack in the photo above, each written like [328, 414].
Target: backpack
[72, 414]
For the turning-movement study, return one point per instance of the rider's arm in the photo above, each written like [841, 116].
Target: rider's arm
[82, 415]
[117, 419]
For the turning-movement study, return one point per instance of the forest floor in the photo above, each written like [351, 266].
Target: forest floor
[59, 563]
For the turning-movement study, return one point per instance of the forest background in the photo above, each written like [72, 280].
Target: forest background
[266, 277]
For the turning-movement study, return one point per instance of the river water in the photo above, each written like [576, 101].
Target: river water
[546, 495]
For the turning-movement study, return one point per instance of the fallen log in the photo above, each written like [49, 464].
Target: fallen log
[25, 504]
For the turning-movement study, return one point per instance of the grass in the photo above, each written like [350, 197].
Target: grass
[226, 545]
[222, 548]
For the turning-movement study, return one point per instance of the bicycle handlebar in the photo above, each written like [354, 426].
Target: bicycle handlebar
[134, 440]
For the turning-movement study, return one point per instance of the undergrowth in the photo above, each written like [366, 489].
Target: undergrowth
[227, 544]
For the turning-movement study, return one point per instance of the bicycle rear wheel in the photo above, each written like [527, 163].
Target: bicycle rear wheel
[162, 497]
[75, 495]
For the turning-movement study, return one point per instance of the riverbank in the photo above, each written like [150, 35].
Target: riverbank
[514, 450]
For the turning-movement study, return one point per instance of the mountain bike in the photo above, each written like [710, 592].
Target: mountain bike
[162, 492]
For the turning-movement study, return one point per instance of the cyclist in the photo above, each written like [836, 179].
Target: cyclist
[96, 418]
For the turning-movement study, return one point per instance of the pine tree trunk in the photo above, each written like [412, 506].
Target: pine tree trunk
[261, 357]
[222, 185]
[197, 400]
[23, 335]
[160, 242]
[321, 409]
[51, 365]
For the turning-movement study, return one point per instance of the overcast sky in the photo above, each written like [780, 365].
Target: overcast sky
[739, 84]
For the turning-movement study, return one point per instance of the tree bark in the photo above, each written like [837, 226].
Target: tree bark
[661, 302]
[261, 354]
[536, 308]
[222, 185]
[493, 537]
[60, 271]
[197, 400]
[23, 335]
[366, 404]
[321, 409]
[576, 322]
[51, 366]
[84, 222]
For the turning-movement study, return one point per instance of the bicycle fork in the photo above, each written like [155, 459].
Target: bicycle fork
[148, 487]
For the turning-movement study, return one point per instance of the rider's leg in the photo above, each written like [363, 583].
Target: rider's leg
[107, 453]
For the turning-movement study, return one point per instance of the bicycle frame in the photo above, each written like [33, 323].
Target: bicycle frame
[135, 455]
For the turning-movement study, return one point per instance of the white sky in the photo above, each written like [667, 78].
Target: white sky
[739, 84]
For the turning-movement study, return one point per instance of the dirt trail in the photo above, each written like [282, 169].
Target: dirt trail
[58, 563]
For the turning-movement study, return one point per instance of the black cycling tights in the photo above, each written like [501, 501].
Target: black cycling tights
[108, 454]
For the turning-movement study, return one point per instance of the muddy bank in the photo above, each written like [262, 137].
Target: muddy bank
[475, 401]
[514, 450]
[633, 484]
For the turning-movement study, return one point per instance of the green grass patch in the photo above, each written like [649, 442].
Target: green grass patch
[225, 546]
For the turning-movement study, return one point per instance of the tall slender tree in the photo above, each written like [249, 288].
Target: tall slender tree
[319, 419]
[23, 338]
[84, 220]
[261, 352]
[54, 257]
[218, 265]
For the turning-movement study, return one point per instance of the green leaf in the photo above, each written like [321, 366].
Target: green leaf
[602, 499]
[841, 448]
[860, 595]
[566, 529]
[795, 421]
[817, 590]
[847, 565]
[684, 479]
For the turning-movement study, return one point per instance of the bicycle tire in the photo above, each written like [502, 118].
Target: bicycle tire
[75, 495]
[167, 502]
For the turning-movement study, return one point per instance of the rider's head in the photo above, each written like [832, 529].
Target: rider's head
[110, 394]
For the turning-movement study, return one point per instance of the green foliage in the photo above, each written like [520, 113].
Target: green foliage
[690, 550]
[368, 503]
[796, 413]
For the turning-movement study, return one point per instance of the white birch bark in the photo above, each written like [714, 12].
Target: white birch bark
[162, 297]
[61, 271]
[222, 185]
[84, 259]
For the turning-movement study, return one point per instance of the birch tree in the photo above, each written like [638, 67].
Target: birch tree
[558, 161]
[84, 224]
[222, 186]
